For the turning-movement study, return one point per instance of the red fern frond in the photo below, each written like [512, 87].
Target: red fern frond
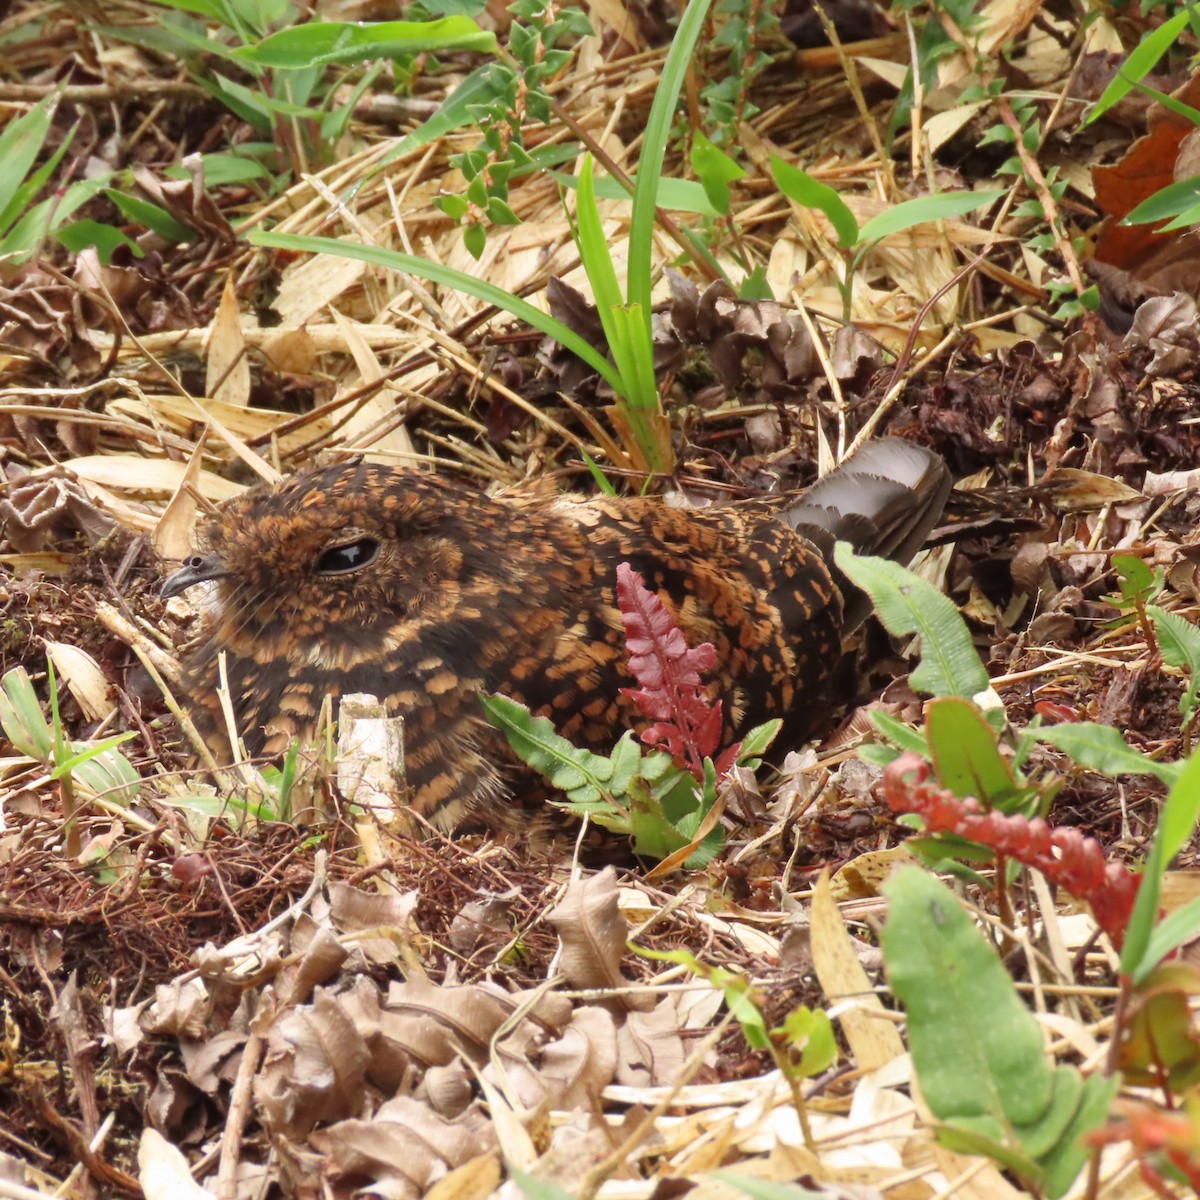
[1066, 858]
[671, 692]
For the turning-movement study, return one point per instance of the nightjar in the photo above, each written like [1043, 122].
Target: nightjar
[367, 578]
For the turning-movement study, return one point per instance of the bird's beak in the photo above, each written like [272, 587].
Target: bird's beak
[196, 569]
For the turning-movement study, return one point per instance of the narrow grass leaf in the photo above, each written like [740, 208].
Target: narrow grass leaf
[489, 293]
[922, 210]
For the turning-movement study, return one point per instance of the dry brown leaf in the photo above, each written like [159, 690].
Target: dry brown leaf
[315, 1067]
[163, 1171]
[873, 1039]
[173, 535]
[650, 1050]
[1072, 490]
[862, 877]
[227, 372]
[593, 933]
[356, 910]
[404, 1148]
[567, 1072]
[377, 408]
[83, 676]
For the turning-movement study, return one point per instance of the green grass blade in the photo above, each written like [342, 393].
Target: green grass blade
[447, 277]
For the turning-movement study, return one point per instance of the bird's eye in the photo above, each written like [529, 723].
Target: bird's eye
[341, 560]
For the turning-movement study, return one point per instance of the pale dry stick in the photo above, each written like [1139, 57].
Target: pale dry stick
[1055, 942]
[850, 72]
[162, 439]
[344, 173]
[101, 93]
[239, 1110]
[255, 462]
[151, 657]
[411, 282]
[826, 362]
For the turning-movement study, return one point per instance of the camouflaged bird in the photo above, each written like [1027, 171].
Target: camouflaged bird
[367, 578]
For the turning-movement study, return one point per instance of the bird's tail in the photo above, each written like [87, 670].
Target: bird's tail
[884, 501]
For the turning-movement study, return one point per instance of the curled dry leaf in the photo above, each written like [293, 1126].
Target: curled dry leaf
[34, 510]
[649, 1049]
[314, 1069]
[404, 1148]
[163, 1171]
[83, 677]
[593, 934]
[179, 1008]
[227, 374]
[568, 1072]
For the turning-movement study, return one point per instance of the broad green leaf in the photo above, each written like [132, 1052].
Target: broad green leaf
[977, 1050]
[154, 217]
[78, 235]
[322, 42]
[1169, 934]
[253, 100]
[1139, 64]
[1062, 1164]
[580, 774]
[597, 262]
[811, 1032]
[906, 604]
[800, 186]
[457, 110]
[758, 741]
[1179, 641]
[21, 715]
[85, 752]
[965, 754]
[902, 735]
[922, 210]
[20, 144]
[446, 277]
[223, 169]
[1102, 748]
[715, 170]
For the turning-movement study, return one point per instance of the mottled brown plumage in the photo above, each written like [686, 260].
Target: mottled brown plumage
[365, 578]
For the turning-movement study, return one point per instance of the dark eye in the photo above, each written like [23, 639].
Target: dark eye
[341, 560]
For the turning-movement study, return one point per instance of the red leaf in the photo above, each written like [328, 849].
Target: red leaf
[671, 691]
[1066, 858]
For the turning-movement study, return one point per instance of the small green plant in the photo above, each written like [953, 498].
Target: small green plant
[742, 29]
[978, 802]
[638, 415]
[293, 99]
[24, 224]
[854, 243]
[96, 768]
[801, 1046]
[665, 799]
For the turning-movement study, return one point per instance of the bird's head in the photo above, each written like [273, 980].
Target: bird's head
[322, 564]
